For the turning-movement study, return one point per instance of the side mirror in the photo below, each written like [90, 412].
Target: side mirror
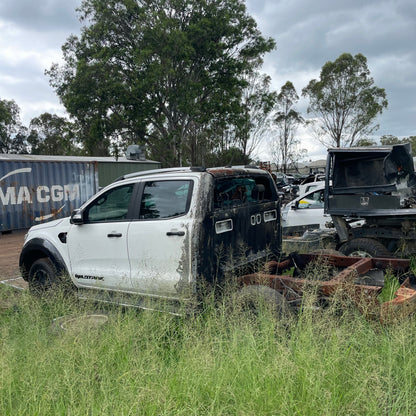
[77, 217]
[295, 206]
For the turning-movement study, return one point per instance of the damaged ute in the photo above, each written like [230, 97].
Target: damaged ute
[160, 233]
[378, 185]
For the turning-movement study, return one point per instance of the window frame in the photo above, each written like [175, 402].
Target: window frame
[140, 192]
[130, 208]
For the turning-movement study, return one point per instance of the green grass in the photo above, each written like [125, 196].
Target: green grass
[214, 363]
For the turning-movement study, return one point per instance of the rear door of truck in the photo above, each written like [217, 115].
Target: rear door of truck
[246, 221]
[159, 240]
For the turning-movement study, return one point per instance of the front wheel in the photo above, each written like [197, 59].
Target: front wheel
[42, 276]
[364, 247]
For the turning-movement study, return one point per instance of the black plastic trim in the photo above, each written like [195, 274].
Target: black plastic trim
[30, 253]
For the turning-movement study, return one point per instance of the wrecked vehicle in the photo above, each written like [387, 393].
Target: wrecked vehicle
[167, 234]
[364, 281]
[306, 212]
[378, 185]
[160, 233]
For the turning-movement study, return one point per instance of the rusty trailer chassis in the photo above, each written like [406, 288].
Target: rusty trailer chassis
[350, 273]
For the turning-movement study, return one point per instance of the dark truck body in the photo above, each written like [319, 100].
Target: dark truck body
[378, 185]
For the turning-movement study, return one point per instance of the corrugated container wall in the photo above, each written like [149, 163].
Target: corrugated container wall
[35, 192]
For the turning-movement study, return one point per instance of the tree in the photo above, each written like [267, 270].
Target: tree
[286, 121]
[389, 139]
[155, 70]
[9, 126]
[365, 141]
[345, 100]
[51, 135]
[257, 103]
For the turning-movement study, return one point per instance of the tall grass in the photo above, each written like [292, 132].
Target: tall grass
[218, 362]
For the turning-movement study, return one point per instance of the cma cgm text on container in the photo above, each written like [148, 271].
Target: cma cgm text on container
[32, 192]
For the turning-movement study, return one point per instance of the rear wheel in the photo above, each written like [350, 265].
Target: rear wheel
[254, 298]
[364, 247]
[42, 276]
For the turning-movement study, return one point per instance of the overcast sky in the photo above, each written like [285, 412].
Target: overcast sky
[308, 34]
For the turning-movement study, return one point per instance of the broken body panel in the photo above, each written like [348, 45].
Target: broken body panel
[377, 184]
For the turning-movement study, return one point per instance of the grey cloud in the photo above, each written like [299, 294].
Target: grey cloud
[40, 15]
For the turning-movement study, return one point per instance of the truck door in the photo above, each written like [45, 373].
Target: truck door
[246, 221]
[159, 242]
[98, 247]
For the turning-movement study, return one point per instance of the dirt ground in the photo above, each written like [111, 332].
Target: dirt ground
[10, 247]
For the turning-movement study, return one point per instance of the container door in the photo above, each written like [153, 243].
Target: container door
[98, 247]
[159, 243]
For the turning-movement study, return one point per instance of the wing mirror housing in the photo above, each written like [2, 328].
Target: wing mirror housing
[77, 217]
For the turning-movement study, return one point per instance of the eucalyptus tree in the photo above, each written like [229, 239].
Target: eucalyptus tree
[10, 126]
[345, 101]
[286, 121]
[50, 134]
[152, 70]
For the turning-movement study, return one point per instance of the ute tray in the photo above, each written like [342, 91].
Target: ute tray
[359, 277]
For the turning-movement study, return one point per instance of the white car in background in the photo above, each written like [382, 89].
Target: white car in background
[305, 212]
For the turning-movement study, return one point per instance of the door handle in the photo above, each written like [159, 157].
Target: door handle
[114, 235]
[180, 233]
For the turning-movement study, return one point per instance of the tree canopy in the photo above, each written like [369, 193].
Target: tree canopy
[10, 127]
[50, 134]
[157, 71]
[346, 100]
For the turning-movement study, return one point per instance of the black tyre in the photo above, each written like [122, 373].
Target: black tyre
[364, 247]
[255, 298]
[42, 276]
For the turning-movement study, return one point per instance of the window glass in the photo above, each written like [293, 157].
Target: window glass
[111, 206]
[238, 191]
[165, 199]
[313, 200]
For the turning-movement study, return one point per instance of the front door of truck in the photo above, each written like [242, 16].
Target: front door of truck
[98, 247]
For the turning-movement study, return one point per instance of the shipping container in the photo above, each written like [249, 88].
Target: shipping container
[36, 189]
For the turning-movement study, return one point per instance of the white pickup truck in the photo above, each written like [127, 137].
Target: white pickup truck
[160, 233]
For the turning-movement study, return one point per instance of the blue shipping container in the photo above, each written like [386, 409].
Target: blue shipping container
[32, 192]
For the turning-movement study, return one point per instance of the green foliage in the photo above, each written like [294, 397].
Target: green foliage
[391, 284]
[365, 141]
[52, 135]
[389, 139]
[346, 100]
[12, 133]
[215, 363]
[156, 71]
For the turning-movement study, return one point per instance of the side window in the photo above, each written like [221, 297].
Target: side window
[165, 199]
[238, 191]
[313, 200]
[111, 206]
